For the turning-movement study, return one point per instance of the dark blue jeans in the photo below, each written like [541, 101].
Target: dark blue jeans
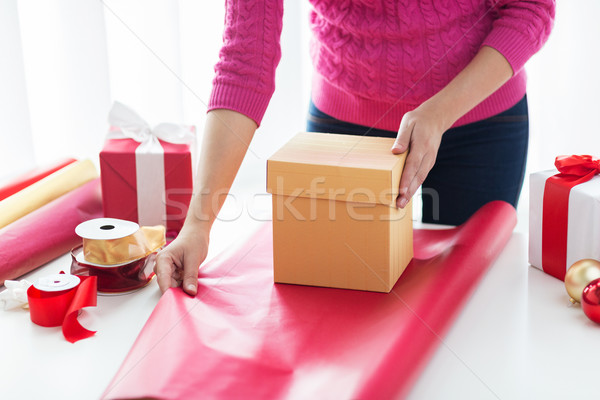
[476, 163]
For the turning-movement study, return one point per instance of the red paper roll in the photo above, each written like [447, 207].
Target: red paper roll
[47, 232]
[244, 337]
[32, 176]
[115, 278]
[58, 303]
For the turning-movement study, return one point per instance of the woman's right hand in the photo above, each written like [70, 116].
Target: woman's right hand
[179, 262]
[227, 135]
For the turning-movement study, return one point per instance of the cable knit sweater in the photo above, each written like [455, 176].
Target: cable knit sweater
[374, 60]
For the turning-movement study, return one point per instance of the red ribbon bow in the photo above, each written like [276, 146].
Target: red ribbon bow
[578, 165]
[574, 170]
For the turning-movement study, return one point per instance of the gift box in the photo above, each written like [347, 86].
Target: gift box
[564, 209]
[147, 174]
[335, 220]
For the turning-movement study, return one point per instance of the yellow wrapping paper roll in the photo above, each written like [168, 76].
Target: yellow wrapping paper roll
[145, 241]
[44, 191]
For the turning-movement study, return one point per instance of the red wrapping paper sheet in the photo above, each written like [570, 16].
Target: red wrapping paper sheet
[30, 177]
[47, 232]
[245, 337]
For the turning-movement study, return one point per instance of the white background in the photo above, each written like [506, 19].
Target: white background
[65, 61]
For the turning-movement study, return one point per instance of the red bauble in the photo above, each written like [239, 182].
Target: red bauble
[590, 300]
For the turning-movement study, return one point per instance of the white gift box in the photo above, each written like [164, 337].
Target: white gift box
[583, 231]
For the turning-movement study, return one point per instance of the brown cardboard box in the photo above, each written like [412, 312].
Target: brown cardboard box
[335, 222]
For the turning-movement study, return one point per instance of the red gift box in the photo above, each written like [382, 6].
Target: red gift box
[146, 179]
[563, 212]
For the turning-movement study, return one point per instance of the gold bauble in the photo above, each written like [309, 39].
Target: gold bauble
[579, 276]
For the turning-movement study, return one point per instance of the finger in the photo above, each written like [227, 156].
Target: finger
[403, 139]
[190, 275]
[177, 275]
[164, 269]
[418, 179]
[414, 186]
[411, 167]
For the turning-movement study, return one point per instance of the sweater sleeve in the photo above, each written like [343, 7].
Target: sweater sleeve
[245, 73]
[520, 29]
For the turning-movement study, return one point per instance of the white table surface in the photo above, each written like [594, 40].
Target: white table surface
[517, 338]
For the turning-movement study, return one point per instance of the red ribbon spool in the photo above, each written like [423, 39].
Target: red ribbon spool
[116, 278]
[60, 307]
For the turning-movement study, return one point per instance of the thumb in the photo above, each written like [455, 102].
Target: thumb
[190, 278]
[403, 138]
[191, 265]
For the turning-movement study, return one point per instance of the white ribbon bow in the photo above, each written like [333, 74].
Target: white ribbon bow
[132, 126]
[15, 294]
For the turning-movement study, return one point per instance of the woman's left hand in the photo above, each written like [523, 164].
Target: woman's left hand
[420, 133]
[421, 130]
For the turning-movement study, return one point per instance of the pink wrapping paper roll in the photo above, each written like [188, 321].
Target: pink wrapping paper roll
[245, 337]
[47, 232]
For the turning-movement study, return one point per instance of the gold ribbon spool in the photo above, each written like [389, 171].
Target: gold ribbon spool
[145, 241]
[121, 241]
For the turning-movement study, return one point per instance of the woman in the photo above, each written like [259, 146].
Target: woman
[445, 78]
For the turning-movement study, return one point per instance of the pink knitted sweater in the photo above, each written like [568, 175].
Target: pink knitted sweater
[375, 60]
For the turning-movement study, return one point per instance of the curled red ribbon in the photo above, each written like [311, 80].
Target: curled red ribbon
[584, 166]
[573, 170]
[61, 308]
[119, 278]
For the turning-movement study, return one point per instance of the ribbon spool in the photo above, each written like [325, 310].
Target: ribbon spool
[49, 298]
[119, 253]
[55, 300]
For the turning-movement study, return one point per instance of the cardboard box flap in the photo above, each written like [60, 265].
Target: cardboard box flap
[338, 167]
